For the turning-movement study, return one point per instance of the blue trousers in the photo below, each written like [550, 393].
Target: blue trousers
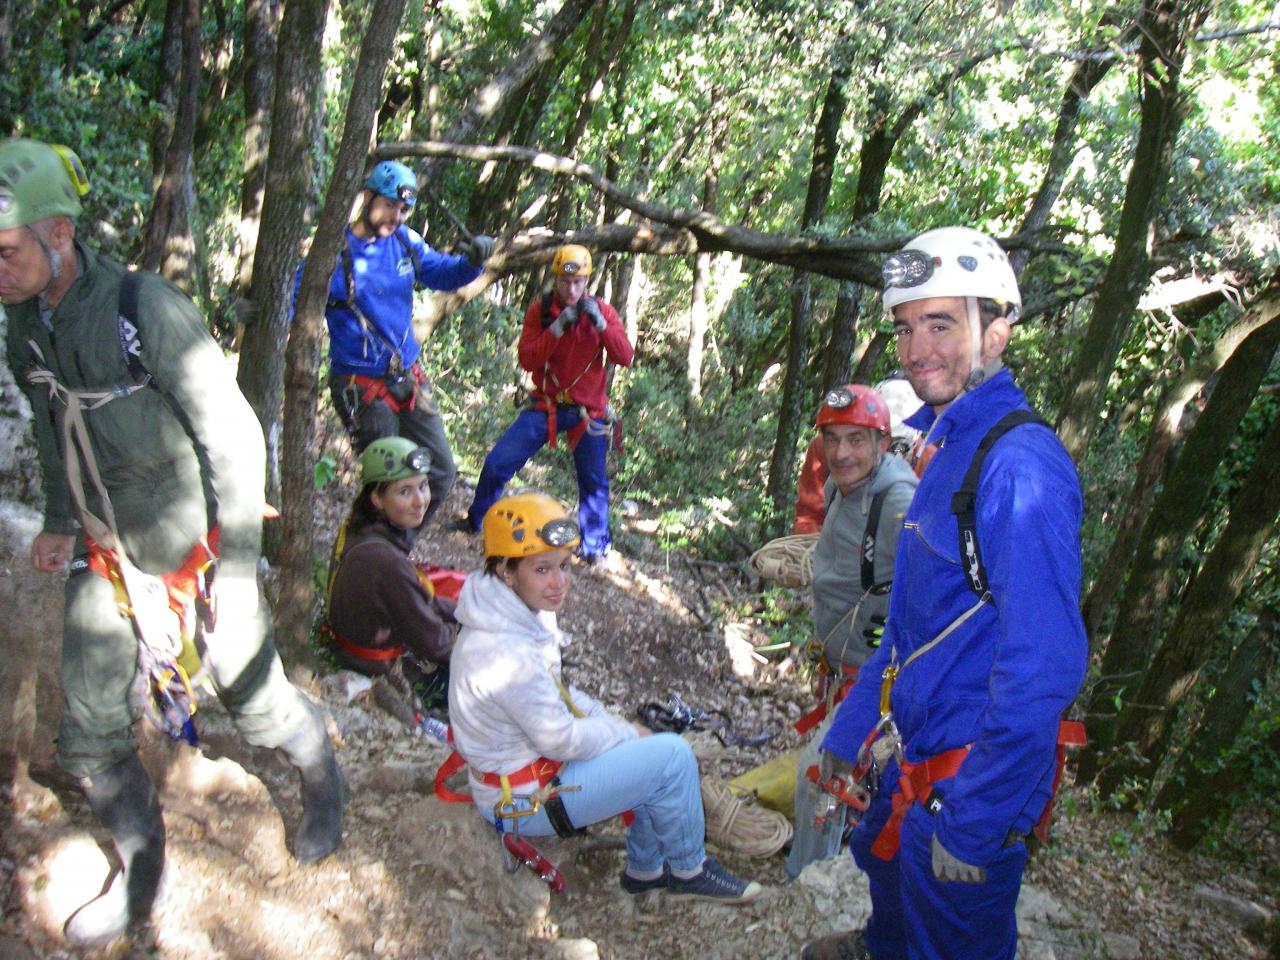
[656, 778]
[915, 916]
[526, 437]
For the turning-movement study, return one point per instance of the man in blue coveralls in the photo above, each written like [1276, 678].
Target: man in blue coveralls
[984, 648]
[379, 388]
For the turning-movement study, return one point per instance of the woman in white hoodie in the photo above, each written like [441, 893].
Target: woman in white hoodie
[521, 730]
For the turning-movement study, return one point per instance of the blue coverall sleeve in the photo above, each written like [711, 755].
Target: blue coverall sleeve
[1029, 512]
[441, 271]
[860, 710]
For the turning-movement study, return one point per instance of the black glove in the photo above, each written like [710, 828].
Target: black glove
[874, 633]
[564, 320]
[590, 309]
[479, 249]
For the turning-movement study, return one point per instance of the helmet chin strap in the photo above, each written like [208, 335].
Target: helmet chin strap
[56, 263]
[976, 372]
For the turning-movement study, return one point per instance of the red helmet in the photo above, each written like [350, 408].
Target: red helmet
[854, 404]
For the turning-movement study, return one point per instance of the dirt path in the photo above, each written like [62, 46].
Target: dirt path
[416, 878]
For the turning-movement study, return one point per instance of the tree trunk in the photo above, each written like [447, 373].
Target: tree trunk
[1172, 421]
[826, 145]
[1166, 26]
[844, 334]
[875, 349]
[1087, 75]
[521, 68]
[261, 21]
[296, 111]
[1154, 571]
[702, 268]
[1234, 698]
[168, 247]
[296, 608]
[1147, 720]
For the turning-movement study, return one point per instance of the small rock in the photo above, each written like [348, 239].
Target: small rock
[1121, 946]
[581, 949]
[1251, 917]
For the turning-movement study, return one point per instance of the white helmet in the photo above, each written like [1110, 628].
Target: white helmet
[951, 262]
[902, 403]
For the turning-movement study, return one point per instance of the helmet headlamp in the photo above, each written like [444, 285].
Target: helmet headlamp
[560, 532]
[907, 268]
[838, 398]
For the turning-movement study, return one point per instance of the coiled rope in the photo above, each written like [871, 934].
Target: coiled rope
[739, 824]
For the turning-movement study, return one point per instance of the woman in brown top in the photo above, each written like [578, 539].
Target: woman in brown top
[381, 607]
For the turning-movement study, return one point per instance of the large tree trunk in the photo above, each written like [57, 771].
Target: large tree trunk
[1147, 720]
[296, 608]
[844, 334]
[168, 247]
[261, 20]
[1154, 571]
[521, 68]
[826, 145]
[295, 125]
[1174, 417]
[1234, 697]
[702, 269]
[1165, 26]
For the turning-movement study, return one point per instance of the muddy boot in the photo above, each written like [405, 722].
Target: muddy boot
[124, 799]
[324, 791]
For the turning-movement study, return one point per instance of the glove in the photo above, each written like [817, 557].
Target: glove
[590, 309]
[564, 320]
[947, 867]
[479, 249]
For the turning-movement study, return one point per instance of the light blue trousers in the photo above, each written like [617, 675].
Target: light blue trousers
[656, 778]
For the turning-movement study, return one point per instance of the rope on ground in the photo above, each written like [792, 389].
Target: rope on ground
[739, 824]
[787, 561]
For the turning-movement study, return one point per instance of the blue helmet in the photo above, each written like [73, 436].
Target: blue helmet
[394, 181]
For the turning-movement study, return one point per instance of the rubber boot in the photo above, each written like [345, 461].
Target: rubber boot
[124, 799]
[324, 791]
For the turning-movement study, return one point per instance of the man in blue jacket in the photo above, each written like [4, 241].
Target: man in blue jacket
[379, 388]
[984, 647]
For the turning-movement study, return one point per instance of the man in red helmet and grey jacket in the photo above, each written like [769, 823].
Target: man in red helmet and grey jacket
[866, 496]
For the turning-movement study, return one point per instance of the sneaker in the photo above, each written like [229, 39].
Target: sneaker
[848, 945]
[633, 886]
[715, 883]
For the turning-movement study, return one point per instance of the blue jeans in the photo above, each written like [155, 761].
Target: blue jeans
[654, 777]
[526, 437]
[916, 916]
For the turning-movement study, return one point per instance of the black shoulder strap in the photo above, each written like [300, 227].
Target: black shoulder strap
[403, 237]
[869, 540]
[127, 327]
[964, 500]
[544, 315]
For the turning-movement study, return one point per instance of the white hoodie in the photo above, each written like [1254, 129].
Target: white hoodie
[505, 708]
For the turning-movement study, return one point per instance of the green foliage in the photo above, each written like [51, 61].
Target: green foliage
[326, 471]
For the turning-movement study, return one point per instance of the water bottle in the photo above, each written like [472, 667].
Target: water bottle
[436, 729]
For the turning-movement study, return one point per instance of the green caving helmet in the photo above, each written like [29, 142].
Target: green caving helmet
[392, 458]
[38, 181]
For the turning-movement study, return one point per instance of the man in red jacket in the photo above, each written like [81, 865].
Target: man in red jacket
[568, 336]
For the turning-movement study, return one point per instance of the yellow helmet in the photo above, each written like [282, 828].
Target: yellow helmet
[571, 260]
[526, 524]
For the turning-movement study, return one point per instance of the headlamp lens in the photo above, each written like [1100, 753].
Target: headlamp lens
[559, 532]
[407, 194]
[838, 399]
[571, 267]
[418, 460]
[907, 268]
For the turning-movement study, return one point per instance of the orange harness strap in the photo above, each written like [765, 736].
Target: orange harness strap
[539, 771]
[819, 713]
[916, 780]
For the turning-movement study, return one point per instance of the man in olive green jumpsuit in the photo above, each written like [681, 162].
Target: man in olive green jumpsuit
[138, 420]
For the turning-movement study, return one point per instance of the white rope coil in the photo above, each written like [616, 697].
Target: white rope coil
[787, 561]
[740, 824]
